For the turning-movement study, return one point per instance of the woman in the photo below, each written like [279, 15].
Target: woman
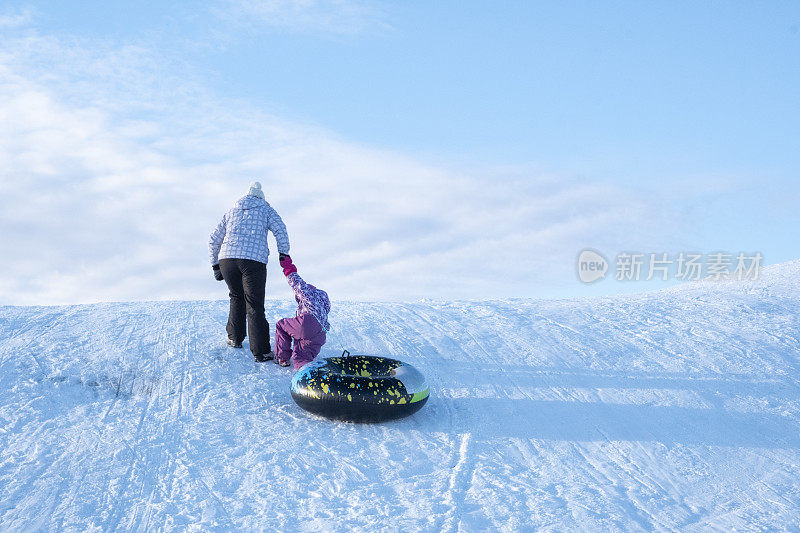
[239, 252]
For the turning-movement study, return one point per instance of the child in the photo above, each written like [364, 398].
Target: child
[308, 328]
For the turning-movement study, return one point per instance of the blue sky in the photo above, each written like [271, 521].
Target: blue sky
[702, 87]
[626, 125]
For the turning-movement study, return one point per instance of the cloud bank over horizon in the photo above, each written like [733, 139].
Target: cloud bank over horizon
[116, 163]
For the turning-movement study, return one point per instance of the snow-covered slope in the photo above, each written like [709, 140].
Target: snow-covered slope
[673, 410]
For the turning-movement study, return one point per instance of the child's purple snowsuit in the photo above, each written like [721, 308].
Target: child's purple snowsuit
[308, 328]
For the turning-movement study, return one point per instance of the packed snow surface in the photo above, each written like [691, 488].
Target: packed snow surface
[672, 410]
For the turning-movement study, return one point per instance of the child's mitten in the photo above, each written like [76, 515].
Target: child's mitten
[288, 266]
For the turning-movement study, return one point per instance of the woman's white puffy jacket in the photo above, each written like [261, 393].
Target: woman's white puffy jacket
[242, 234]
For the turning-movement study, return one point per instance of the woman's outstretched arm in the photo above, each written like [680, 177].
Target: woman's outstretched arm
[278, 228]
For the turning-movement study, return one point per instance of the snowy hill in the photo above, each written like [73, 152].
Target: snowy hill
[672, 410]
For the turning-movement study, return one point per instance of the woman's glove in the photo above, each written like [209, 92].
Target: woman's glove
[217, 272]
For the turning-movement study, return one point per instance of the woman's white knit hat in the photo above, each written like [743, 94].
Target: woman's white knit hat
[255, 190]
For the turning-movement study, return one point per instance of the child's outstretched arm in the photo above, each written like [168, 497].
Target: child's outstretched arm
[294, 279]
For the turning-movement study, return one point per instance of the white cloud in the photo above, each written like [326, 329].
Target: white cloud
[114, 169]
[16, 19]
[328, 16]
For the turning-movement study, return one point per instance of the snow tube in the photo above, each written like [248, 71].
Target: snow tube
[360, 388]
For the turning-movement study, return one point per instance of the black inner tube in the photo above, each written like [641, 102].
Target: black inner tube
[360, 388]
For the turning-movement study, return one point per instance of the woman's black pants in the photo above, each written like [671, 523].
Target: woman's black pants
[247, 281]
